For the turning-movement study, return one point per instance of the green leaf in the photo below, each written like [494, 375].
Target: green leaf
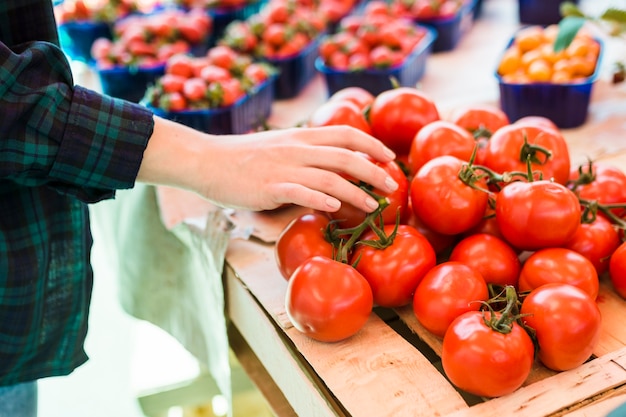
[568, 28]
[616, 15]
[570, 9]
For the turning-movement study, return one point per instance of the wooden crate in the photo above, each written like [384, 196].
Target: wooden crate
[391, 367]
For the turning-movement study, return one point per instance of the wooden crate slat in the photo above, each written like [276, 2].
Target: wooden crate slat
[269, 346]
[387, 378]
[613, 309]
[558, 392]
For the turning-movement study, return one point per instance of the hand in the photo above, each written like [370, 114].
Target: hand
[264, 170]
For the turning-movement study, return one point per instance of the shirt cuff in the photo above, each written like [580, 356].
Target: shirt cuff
[102, 146]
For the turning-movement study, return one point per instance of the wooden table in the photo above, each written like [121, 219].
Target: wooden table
[387, 369]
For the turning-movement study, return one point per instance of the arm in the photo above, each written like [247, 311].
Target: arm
[88, 145]
[264, 170]
[63, 136]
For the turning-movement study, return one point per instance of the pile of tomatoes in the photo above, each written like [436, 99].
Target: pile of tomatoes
[218, 79]
[283, 28]
[213, 4]
[93, 11]
[148, 40]
[423, 10]
[375, 39]
[496, 241]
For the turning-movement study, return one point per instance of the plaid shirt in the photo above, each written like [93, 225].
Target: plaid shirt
[61, 147]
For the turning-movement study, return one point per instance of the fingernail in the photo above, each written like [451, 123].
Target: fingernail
[391, 184]
[371, 203]
[333, 203]
[390, 154]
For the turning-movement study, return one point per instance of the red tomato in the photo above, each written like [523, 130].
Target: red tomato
[275, 34]
[480, 120]
[358, 95]
[483, 361]
[173, 102]
[567, 323]
[328, 300]
[488, 224]
[395, 271]
[231, 90]
[447, 291]
[600, 182]
[562, 265]
[350, 216]
[491, 256]
[191, 31]
[256, 72]
[195, 89]
[222, 56]
[538, 214]
[506, 151]
[440, 138]
[339, 112]
[442, 201]
[538, 121]
[181, 65]
[172, 83]
[438, 241]
[617, 270]
[596, 241]
[397, 115]
[300, 240]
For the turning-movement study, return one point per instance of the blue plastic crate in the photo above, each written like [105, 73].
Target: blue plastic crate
[248, 114]
[296, 71]
[77, 38]
[451, 29]
[566, 105]
[128, 83]
[540, 12]
[376, 81]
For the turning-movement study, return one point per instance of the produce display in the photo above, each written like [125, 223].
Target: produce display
[81, 22]
[212, 4]
[531, 57]
[428, 9]
[222, 92]
[493, 241]
[375, 39]
[281, 29]
[218, 79]
[528, 238]
[540, 74]
[93, 11]
[147, 40]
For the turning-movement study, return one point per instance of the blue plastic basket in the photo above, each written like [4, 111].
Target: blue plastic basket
[223, 16]
[451, 29]
[128, 83]
[540, 12]
[77, 38]
[246, 115]
[376, 81]
[296, 71]
[566, 105]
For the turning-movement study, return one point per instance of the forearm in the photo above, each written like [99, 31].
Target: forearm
[264, 170]
[173, 155]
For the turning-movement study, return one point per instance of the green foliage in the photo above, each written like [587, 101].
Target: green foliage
[568, 28]
[613, 20]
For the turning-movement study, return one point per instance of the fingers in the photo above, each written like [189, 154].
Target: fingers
[350, 163]
[323, 190]
[346, 137]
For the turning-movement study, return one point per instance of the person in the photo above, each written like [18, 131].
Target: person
[63, 147]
